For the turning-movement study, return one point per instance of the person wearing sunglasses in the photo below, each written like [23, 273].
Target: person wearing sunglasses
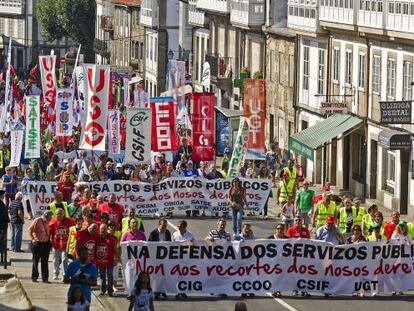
[347, 217]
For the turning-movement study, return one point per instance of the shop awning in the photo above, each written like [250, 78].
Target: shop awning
[230, 113]
[394, 140]
[310, 139]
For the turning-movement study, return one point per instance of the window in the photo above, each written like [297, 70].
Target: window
[258, 9]
[359, 168]
[390, 168]
[281, 68]
[321, 71]
[391, 78]
[379, 6]
[405, 8]
[367, 6]
[336, 62]
[290, 10]
[272, 65]
[412, 9]
[348, 67]
[398, 8]
[376, 74]
[291, 70]
[313, 14]
[407, 80]
[391, 8]
[361, 71]
[361, 4]
[306, 67]
[151, 48]
[155, 49]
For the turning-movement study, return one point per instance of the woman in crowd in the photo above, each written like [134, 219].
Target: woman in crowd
[368, 219]
[401, 233]
[278, 235]
[237, 198]
[142, 296]
[264, 174]
[356, 236]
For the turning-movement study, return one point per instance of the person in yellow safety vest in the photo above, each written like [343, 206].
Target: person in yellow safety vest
[368, 219]
[410, 228]
[325, 207]
[285, 190]
[356, 202]
[59, 203]
[350, 215]
[70, 247]
[376, 233]
[131, 215]
[291, 170]
[4, 158]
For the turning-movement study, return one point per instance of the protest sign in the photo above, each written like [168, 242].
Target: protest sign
[97, 95]
[203, 127]
[80, 92]
[16, 142]
[239, 149]
[32, 141]
[254, 103]
[262, 266]
[114, 137]
[163, 126]
[70, 156]
[138, 135]
[127, 98]
[64, 112]
[47, 72]
[170, 195]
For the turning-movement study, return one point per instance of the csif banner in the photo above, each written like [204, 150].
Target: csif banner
[114, 134]
[254, 104]
[163, 125]
[32, 141]
[138, 135]
[49, 83]
[96, 98]
[203, 126]
[262, 266]
[169, 195]
[64, 112]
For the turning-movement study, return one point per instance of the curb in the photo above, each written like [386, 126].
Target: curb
[29, 301]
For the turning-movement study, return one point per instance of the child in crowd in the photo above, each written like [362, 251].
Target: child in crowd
[77, 301]
[287, 213]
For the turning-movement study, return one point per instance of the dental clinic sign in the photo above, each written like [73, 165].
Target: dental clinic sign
[396, 112]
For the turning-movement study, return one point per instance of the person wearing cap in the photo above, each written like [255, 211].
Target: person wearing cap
[324, 208]
[401, 233]
[66, 186]
[376, 233]
[304, 203]
[189, 171]
[41, 245]
[298, 230]
[58, 203]
[119, 174]
[390, 226]
[227, 155]
[368, 219]
[329, 232]
[286, 190]
[348, 216]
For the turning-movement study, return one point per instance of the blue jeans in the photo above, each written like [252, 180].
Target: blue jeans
[16, 238]
[237, 220]
[107, 277]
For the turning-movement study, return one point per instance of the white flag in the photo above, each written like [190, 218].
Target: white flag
[16, 141]
[138, 135]
[114, 136]
[64, 112]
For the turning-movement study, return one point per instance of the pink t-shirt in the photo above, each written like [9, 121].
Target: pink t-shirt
[133, 236]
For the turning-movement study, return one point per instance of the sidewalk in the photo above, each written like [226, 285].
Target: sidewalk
[41, 296]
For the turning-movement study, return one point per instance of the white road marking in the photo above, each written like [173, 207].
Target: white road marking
[283, 303]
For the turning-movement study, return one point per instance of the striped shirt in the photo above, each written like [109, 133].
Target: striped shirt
[217, 235]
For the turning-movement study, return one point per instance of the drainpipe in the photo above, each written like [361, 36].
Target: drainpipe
[367, 92]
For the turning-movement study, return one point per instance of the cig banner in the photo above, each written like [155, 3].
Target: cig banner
[97, 94]
[114, 135]
[262, 266]
[32, 141]
[203, 126]
[254, 103]
[163, 125]
[64, 112]
[138, 135]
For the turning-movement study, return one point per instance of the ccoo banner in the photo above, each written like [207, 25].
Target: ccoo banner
[114, 134]
[163, 125]
[138, 135]
[254, 103]
[169, 195]
[32, 142]
[203, 126]
[64, 112]
[96, 97]
[262, 266]
[49, 84]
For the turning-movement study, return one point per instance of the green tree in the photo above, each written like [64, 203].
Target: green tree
[73, 18]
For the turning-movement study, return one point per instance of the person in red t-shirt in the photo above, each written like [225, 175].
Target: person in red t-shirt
[59, 233]
[88, 238]
[104, 259]
[114, 210]
[66, 186]
[93, 209]
[298, 230]
[389, 227]
[87, 195]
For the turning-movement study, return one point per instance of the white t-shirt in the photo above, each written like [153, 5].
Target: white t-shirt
[178, 237]
[403, 239]
[142, 300]
[79, 306]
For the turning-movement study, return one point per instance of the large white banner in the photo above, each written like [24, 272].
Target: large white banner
[81, 90]
[47, 72]
[97, 95]
[170, 195]
[32, 141]
[114, 136]
[64, 112]
[16, 141]
[138, 135]
[5, 107]
[263, 266]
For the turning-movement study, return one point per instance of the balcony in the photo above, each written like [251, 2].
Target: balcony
[217, 6]
[370, 14]
[400, 17]
[149, 13]
[247, 13]
[337, 11]
[106, 23]
[11, 7]
[195, 17]
[303, 15]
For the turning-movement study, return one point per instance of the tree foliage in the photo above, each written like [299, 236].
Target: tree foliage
[73, 18]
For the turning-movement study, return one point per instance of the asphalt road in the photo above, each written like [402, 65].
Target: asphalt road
[262, 229]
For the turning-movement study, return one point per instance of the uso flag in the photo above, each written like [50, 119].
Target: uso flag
[49, 84]
[203, 127]
[96, 98]
[163, 125]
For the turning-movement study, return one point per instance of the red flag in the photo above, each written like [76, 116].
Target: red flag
[163, 126]
[203, 127]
